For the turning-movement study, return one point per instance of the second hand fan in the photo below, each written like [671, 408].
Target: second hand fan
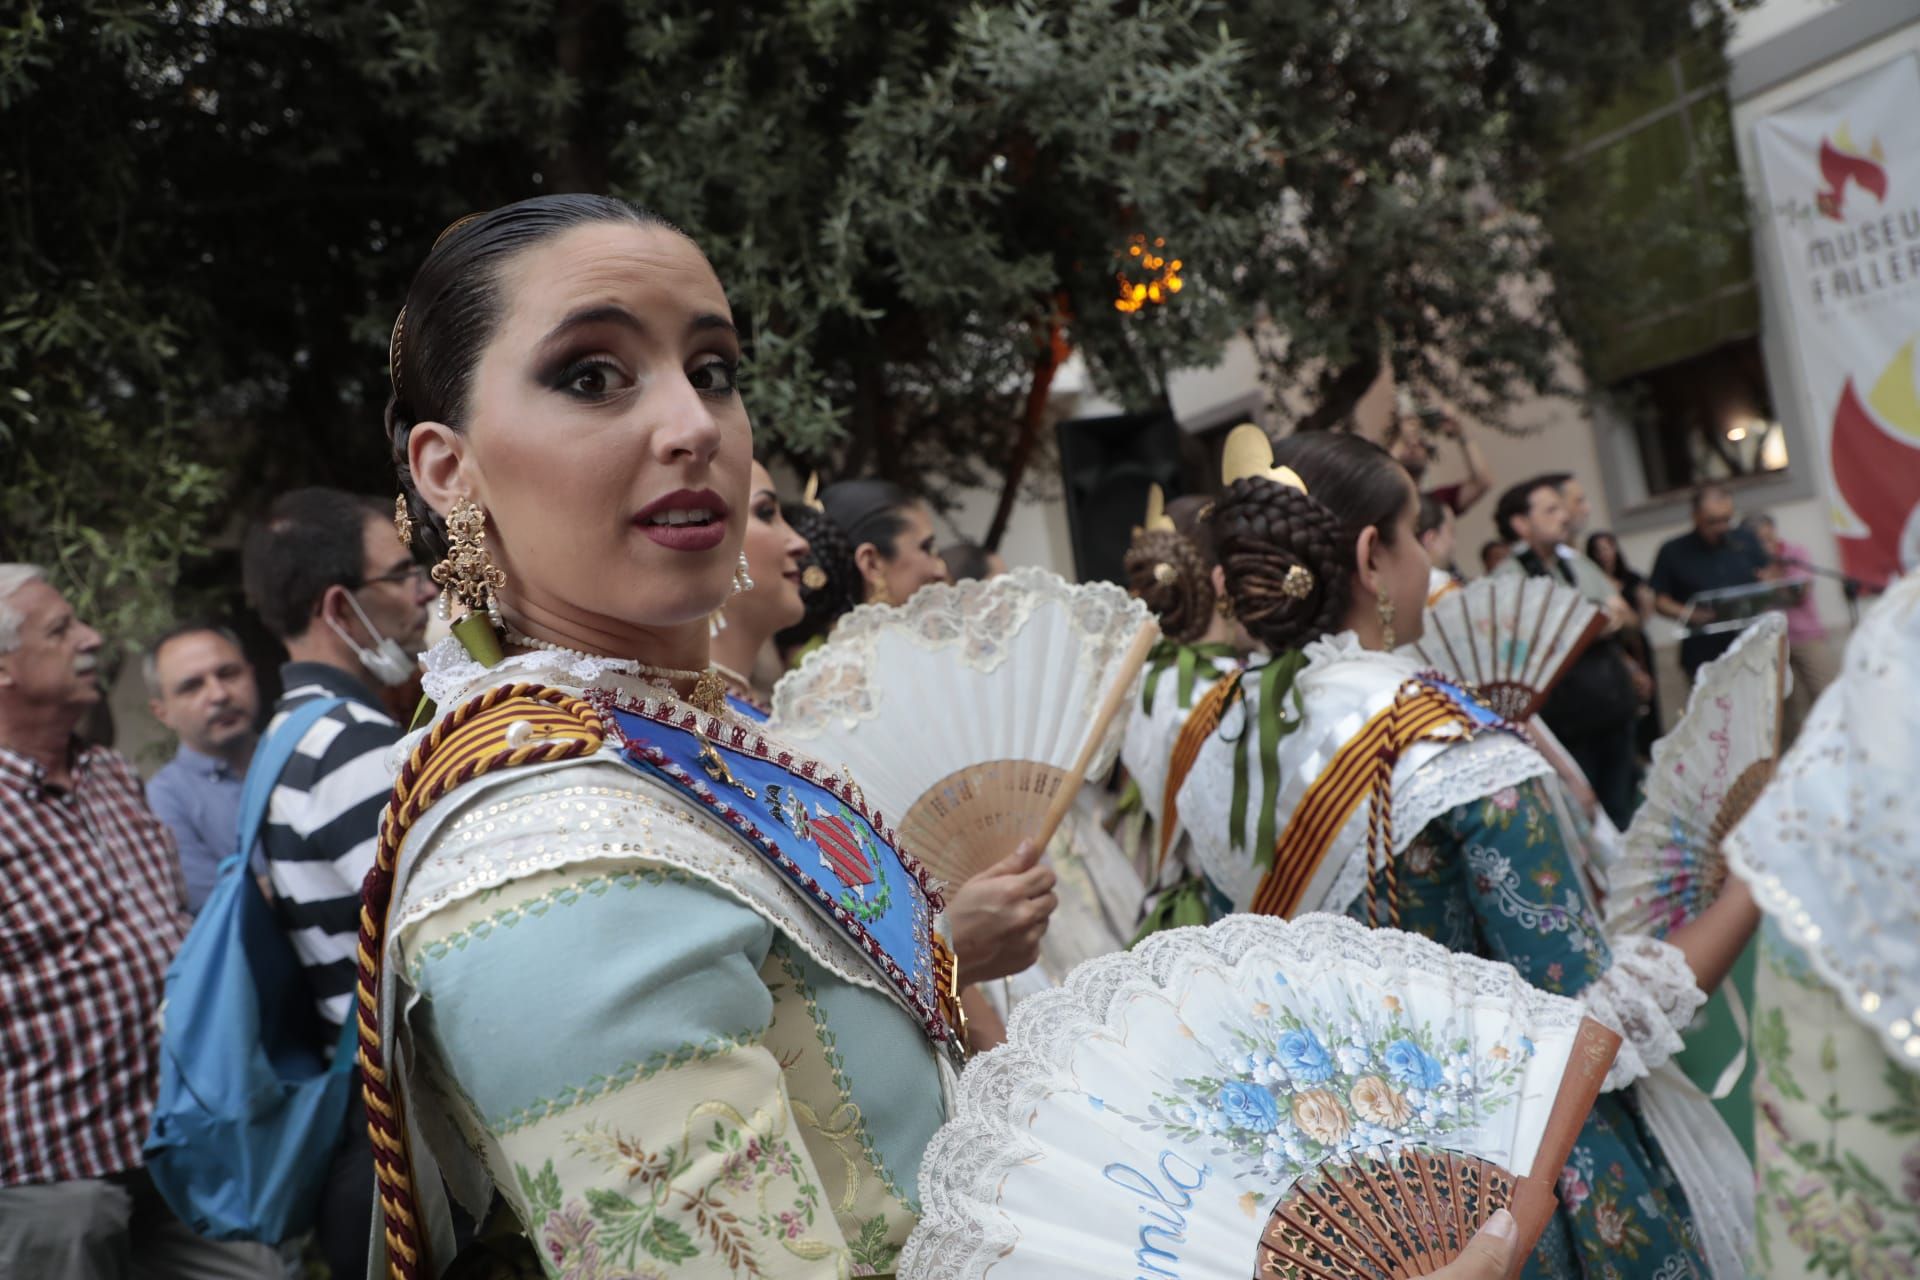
[1262, 1098]
[971, 713]
[1706, 774]
[1509, 637]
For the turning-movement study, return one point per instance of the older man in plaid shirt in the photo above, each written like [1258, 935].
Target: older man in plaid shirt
[90, 914]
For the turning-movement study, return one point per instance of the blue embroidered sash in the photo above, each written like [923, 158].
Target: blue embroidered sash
[817, 831]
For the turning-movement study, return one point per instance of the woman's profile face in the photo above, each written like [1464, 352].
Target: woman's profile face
[915, 562]
[774, 551]
[605, 437]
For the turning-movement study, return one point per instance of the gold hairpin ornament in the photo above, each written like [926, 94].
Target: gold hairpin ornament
[1298, 584]
[1164, 573]
[393, 351]
[813, 577]
[1249, 453]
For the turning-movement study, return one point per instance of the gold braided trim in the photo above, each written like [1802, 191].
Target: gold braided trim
[501, 729]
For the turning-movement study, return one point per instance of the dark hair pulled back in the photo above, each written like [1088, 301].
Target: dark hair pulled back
[1262, 529]
[1167, 573]
[452, 311]
[828, 548]
[869, 510]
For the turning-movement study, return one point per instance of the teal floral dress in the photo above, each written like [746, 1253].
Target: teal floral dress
[1493, 877]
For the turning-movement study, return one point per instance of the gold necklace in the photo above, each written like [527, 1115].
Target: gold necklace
[709, 693]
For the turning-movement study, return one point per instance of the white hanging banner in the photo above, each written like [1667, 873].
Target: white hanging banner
[1841, 171]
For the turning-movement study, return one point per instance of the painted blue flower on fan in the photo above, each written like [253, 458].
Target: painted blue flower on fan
[1295, 1087]
[1248, 1106]
[1413, 1067]
[1304, 1057]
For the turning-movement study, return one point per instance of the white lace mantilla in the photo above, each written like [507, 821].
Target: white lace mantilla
[1832, 846]
[1342, 687]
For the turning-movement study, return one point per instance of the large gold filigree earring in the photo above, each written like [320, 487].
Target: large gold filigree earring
[1386, 621]
[467, 571]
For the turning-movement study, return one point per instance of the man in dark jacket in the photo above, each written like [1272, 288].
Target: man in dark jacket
[1593, 708]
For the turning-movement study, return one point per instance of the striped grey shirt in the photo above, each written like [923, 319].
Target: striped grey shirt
[323, 823]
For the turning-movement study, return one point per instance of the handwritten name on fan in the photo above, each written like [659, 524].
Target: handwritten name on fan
[1167, 1211]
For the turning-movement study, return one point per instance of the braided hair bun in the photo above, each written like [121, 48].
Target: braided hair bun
[1288, 556]
[831, 553]
[1168, 573]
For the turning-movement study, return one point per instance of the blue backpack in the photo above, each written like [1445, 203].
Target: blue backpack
[249, 1113]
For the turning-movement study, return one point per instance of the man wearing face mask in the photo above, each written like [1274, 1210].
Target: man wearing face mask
[327, 575]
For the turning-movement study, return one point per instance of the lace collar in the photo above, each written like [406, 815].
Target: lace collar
[451, 675]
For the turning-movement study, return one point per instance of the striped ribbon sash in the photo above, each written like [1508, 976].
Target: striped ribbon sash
[1363, 767]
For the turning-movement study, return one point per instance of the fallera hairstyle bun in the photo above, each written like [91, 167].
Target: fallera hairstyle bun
[829, 551]
[1263, 529]
[1170, 576]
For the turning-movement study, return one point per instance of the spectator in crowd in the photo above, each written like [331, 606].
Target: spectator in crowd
[1808, 653]
[1593, 708]
[1493, 554]
[327, 575]
[1603, 550]
[1413, 440]
[1710, 556]
[200, 685]
[1593, 584]
[1434, 526]
[966, 560]
[92, 919]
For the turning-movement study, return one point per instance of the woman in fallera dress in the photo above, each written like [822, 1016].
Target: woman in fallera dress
[1170, 567]
[1344, 781]
[619, 981]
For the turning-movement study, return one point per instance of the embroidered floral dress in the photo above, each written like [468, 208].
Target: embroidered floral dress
[1493, 877]
[1831, 852]
[629, 1025]
[1482, 865]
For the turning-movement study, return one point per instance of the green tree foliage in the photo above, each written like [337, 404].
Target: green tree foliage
[213, 210]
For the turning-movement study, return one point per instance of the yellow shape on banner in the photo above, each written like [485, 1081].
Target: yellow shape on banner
[1896, 396]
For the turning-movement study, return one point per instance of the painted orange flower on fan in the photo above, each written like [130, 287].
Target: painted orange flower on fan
[1321, 1116]
[1377, 1102]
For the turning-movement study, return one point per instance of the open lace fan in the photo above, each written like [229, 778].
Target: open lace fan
[971, 713]
[1829, 848]
[1706, 774]
[1272, 1098]
[1509, 636]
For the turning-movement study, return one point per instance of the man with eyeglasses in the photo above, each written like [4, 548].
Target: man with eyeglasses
[326, 573]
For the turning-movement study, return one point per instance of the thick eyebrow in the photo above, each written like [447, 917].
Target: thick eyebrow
[604, 314]
[612, 313]
[766, 493]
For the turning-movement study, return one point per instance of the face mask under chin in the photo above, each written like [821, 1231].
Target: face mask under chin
[386, 662]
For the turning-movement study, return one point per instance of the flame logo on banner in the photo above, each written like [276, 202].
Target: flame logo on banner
[1875, 451]
[1840, 163]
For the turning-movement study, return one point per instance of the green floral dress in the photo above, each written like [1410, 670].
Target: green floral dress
[1836, 1133]
[1493, 877]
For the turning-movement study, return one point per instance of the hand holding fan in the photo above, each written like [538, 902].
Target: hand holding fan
[1509, 637]
[1706, 774]
[972, 713]
[1305, 1098]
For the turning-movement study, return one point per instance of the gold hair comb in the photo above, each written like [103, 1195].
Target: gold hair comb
[811, 497]
[1248, 452]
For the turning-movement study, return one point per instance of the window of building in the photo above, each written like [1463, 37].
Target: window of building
[1708, 417]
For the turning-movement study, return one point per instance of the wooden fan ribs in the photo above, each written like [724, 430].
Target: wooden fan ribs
[1380, 1215]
